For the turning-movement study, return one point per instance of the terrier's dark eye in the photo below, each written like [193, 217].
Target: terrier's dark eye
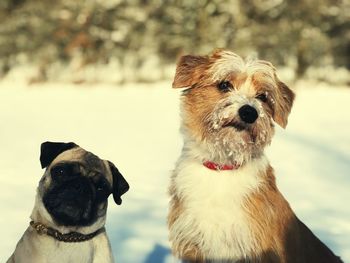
[262, 97]
[225, 86]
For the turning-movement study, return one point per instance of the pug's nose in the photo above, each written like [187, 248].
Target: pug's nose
[248, 114]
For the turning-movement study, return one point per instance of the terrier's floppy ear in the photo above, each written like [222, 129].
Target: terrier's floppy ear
[50, 150]
[189, 70]
[284, 104]
[120, 185]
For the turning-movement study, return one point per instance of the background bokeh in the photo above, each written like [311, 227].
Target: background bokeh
[99, 73]
[139, 39]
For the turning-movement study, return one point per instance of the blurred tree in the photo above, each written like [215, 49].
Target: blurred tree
[9, 5]
[299, 30]
[138, 34]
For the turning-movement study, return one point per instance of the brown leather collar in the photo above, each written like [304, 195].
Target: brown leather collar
[69, 237]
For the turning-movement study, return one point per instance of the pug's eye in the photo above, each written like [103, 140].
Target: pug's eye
[102, 185]
[102, 190]
[65, 170]
[60, 170]
[225, 86]
[262, 97]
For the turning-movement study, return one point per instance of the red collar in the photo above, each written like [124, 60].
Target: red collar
[219, 167]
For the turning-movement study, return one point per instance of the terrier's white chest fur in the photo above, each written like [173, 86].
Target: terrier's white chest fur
[214, 216]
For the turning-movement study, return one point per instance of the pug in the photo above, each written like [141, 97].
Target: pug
[69, 215]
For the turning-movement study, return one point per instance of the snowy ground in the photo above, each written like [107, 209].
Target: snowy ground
[137, 128]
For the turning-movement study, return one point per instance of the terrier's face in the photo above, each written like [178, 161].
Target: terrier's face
[231, 105]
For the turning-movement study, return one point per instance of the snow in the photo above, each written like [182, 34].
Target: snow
[137, 127]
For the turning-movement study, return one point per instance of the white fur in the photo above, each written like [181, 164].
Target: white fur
[228, 108]
[213, 203]
[230, 62]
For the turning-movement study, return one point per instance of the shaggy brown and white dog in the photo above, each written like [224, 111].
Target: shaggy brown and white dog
[225, 206]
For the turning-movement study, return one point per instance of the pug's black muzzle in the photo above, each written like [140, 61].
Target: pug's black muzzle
[74, 201]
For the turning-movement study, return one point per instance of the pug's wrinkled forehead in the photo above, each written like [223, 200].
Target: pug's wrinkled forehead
[89, 162]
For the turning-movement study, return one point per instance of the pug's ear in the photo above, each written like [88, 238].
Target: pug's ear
[50, 150]
[120, 185]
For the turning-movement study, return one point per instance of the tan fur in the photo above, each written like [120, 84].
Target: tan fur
[269, 213]
[195, 72]
[279, 231]
[277, 235]
[200, 75]
[41, 248]
[198, 105]
[189, 71]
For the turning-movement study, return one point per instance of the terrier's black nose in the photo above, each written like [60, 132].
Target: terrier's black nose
[248, 114]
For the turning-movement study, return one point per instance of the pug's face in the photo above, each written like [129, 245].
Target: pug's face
[77, 184]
